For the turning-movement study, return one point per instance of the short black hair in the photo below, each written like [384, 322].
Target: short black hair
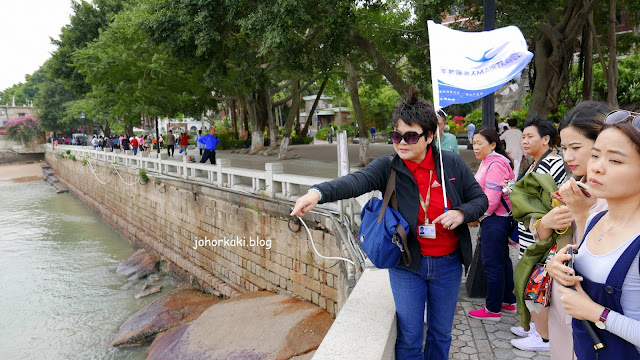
[513, 122]
[414, 111]
[544, 127]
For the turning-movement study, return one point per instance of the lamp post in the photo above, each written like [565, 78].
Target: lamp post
[82, 117]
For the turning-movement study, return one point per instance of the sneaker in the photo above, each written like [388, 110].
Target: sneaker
[508, 308]
[484, 314]
[520, 331]
[532, 342]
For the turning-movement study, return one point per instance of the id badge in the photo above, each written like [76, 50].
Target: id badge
[427, 231]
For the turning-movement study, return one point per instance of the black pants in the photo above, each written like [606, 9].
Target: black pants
[209, 154]
[170, 149]
[201, 150]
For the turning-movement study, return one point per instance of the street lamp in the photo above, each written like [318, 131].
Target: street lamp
[82, 117]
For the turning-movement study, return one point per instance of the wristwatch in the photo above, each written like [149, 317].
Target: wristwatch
[601, 324]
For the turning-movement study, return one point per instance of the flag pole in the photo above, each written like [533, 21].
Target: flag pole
[444, 185]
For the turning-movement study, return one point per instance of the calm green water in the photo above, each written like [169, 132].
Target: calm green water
[60, 297]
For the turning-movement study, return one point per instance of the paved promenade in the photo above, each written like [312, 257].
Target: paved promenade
[472, 338]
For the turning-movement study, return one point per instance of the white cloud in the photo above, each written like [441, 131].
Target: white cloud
[26, 27]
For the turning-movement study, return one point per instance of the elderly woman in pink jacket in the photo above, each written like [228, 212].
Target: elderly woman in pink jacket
[496, 225]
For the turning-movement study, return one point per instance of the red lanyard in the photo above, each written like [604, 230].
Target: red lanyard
[425, 203]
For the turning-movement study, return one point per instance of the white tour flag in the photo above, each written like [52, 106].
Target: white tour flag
[466, 66]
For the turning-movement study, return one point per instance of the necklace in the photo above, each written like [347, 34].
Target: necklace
[611, 228]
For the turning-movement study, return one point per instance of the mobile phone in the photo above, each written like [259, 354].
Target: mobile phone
[584, 188]
[570, 251]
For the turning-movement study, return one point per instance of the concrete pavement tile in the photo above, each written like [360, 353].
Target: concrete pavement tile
[491, 336]
[483, 346]
[468, 350]
[459, 356]
[478, 333]
[541, 357]
[503, 354]
[504, 335]
[490, 328]
[466, 338]
[523, 354]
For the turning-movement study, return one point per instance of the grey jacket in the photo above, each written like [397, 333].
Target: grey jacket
[463, 191]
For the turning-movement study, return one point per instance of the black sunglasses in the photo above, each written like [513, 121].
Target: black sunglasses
[617, 116]
[410, 137]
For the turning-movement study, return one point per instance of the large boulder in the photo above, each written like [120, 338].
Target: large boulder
[183, 305]
[142, 263]
[259, 325]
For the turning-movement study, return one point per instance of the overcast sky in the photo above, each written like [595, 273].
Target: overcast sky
[26, 26]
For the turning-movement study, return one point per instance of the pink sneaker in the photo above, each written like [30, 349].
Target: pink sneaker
[509, 308]
[484, 314]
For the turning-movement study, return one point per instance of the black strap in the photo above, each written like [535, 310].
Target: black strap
[504, 203]
[390, 195]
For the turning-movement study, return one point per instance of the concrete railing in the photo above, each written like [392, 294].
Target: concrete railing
[271, 181]
[365, 328]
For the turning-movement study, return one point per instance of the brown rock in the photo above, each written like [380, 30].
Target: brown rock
[141, 263]
[181, 306]
[259, 325]
[151, 291]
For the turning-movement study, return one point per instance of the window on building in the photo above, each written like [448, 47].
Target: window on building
[22, 114]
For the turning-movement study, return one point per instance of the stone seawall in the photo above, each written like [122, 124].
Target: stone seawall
[168, 217]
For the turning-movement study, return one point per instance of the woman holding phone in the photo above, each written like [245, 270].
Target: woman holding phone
[607, 276]
[578, 132]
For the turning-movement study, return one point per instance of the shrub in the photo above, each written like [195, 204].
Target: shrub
[143, 176]
[474, 117]
[520, 114]
[68, 151]
[322, 134]
[72, 157]
[298, 140]
[24, 129]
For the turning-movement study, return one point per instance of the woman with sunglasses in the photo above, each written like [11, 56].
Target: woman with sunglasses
[578, 132]
[435, 272]
[607, 276]
[538, 136]
[495, 229]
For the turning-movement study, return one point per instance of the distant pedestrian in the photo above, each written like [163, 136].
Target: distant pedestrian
[134, 145]
[373, 134]
[109, 143]
[198, 144]
[513, 141]
[184, 142]
[94, 142]
[124, 143]
[331, 133]
[471, 129]
[171, 143]
[448, 141]
[210, 143]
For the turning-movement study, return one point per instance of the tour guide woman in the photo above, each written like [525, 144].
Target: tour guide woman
[434, 276]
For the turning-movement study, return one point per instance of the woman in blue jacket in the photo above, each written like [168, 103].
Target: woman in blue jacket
[435, 273]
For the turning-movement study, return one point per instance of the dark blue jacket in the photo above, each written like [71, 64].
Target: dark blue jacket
[463, 191]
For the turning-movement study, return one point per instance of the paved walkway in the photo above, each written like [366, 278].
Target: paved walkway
[472, 338]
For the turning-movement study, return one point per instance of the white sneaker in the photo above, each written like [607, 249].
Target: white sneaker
[520, 331]
[532, 342]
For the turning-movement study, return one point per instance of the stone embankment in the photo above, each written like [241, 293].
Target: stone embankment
[189, 324]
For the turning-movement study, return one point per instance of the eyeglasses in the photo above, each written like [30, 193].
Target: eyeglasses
[617, 116]
[410, 137]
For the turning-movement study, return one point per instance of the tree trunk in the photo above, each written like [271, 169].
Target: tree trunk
[357, 109]
[303, 132]
[587, 51]
[295, 108]
[554, 47]
[257, 138]
[612, 70]
[381, 64]
[271, 121]
[234, 120]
